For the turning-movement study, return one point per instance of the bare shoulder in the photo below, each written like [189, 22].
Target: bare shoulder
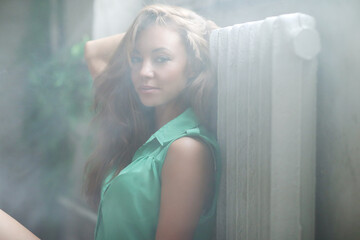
[190, 147]
[189, 153]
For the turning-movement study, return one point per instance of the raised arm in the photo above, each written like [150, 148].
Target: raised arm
[99, 52]
[12, 229]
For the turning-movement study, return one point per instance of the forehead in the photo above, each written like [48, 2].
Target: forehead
[155, 36]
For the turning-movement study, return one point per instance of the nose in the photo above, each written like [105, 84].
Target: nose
[146, 69]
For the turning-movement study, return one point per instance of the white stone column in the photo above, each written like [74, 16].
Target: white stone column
[266, 128]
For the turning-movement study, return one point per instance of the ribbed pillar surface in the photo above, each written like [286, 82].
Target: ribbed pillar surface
[266, 127]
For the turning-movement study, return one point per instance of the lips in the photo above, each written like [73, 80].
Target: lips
[148, 89]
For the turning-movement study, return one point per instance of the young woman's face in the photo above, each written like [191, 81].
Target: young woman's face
[158, 66]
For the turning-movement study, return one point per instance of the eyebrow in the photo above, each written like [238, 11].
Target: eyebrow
[160, 49]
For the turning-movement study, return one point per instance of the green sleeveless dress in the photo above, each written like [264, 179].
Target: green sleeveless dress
[130, 202]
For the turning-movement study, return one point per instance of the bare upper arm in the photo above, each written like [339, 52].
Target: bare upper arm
[99, 52]
[187, 179]
[12, 229]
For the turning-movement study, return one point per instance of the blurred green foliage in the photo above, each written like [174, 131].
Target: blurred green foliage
[57, 102]
[57, 107]
[57, 110]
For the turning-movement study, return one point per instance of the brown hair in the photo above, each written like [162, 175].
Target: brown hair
[123, 123]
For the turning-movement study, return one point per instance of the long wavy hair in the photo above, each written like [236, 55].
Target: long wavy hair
[122, 123]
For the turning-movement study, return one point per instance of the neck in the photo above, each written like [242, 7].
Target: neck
[164, 114]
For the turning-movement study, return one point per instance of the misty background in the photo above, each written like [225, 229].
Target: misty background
[46, 96]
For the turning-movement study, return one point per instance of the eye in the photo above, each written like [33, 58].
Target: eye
[162, 59]
[135, 59]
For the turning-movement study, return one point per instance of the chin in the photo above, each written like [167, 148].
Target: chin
[148, 103]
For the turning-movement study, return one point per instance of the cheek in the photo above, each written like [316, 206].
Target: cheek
[134, 77]
[177, 84]
[177, 75]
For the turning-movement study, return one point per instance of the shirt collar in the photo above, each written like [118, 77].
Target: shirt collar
[175, 127]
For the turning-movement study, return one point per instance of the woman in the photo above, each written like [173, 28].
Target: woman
[155, 171]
